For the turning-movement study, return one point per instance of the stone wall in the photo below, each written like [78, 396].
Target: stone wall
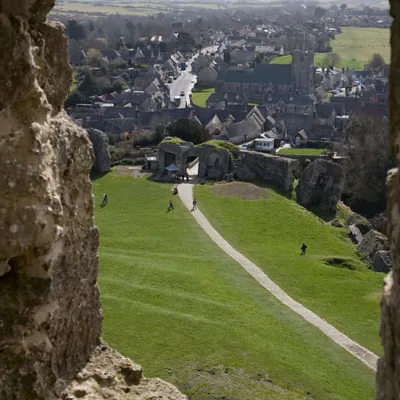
[254, 165]
[50, 314]
[303, 159]
[388, 375]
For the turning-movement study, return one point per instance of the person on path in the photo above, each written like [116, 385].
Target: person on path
[171, 206]
[194, 204]
[105, 200]
[303, 249]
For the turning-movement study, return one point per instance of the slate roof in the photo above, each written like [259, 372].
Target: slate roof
[262, 74]
[271, 134]
[110, 54]
[249, 127]
[205, 114]
[303, 134]
[288, 99]
[324, 131]
[230, 97]
[256, 114]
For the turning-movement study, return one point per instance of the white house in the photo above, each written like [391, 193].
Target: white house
[264, 144]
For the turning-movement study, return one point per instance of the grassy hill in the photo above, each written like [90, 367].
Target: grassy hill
[176, 304]
[269, 231]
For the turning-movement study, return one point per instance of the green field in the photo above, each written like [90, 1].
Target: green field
[176, 304]
[142, 8]
[355, 47]
[302, 151]
[270, 232]
[360, 44]
[200, 96]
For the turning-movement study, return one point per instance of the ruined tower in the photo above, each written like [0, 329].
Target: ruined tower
[303, 71]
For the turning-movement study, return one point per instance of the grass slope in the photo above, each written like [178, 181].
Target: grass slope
[270, 232]
[200, 96]
[176, 304]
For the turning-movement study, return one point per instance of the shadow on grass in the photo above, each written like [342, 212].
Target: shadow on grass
[291, 195]
[274, 187]
[97, 175]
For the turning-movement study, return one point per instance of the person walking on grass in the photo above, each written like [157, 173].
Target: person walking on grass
[194, 204]
[105, 200]
[303, 249]
[171, 206]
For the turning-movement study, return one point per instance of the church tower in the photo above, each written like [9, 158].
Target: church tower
[303, 71]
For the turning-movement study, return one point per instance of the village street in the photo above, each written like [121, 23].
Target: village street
[186, 80]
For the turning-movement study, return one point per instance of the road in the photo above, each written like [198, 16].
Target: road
[187, 79]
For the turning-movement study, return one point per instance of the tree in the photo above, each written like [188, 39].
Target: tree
[74, 30]
[94, 86]
[343, 7]
[74, 98]
[376, 62]
[120, 85]
[94, 58]
[189, 130]
[368, 160]
[331, 60]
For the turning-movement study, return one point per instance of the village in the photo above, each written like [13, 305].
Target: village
[199, 200]
[230, 84]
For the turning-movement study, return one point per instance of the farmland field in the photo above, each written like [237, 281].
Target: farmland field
[355, 47]
[361, 43]
[180, 307]
[139, 8]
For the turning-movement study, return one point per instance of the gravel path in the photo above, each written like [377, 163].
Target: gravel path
[366, 356]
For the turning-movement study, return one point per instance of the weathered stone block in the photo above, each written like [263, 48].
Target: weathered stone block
[371, 243]
[321, 185]
[254, 165]
[101, 148]
[382, 261]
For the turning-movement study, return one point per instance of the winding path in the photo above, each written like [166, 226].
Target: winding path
[366, 356]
